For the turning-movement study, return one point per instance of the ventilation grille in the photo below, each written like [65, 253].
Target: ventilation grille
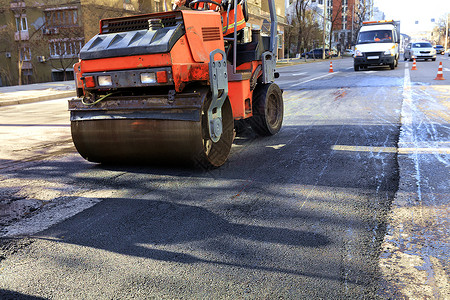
[210, 34]
[122, 26]
[137, 23]
[373, 53]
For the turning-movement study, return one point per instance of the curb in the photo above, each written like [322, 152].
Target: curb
[38, 99]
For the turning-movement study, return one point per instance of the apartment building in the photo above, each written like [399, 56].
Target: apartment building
[346, 17]
[40, 40]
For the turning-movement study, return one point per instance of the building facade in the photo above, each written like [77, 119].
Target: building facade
[259, 11]
[346, 18]
[41, 40]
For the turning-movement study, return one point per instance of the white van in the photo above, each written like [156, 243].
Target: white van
[377, 45]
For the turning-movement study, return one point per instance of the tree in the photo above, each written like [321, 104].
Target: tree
[362, 14]
[304, 29]
[18, 38]
[63, 37]
[6, 48]
[440, 31]
[335, 17]
[300, 7]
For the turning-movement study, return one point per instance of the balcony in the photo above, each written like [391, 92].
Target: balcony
[17, 5]
[22, 35]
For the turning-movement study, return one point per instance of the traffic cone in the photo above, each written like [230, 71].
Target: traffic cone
[414, 65]
[440, 75]
[331, 67]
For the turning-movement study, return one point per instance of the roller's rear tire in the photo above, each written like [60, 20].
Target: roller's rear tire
[267, 109]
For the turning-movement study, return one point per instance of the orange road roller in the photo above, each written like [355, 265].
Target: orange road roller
[169, 87]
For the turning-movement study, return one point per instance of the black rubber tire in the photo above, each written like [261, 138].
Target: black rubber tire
[392, 66]
[192, 4]
[245, 9]
[240, 127]
[268, 109]
[218, 152]
[433, 59]
[356, 68]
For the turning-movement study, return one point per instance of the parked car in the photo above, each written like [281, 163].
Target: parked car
[439, 49]
[349, 52]
[317, 53]
[420, 50]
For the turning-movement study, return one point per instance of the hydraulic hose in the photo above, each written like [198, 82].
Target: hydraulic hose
[96, 101]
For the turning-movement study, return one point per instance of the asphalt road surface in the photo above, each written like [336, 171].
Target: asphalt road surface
[299, 215]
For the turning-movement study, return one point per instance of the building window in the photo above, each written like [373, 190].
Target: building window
[65, 48]
[21, 23]
[25, 54]
[157, 7]
[64, 17]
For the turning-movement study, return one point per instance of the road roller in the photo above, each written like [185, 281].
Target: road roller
[169, 87]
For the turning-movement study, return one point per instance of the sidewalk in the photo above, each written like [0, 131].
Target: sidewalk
[20, 94]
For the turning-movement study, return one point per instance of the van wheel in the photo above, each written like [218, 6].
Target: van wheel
[356, 67]
[433, 59]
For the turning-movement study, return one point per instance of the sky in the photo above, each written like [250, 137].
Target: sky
[409, 11]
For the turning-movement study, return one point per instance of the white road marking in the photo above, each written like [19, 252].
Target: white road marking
[315, 78]
[298, 74]
[407, 134]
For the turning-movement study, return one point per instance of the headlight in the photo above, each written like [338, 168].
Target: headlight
[148, 77]
[390, 52]
[358, 53]
[104, 80]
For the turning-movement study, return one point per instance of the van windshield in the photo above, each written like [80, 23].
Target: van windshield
[376, 36]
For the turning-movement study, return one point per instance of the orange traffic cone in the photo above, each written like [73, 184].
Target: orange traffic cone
[414, 65]
[331, 67]
[440, 75]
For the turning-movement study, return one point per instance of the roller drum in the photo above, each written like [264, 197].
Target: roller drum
[152, 141]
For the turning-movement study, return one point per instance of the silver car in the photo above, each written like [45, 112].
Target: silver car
[420, 50]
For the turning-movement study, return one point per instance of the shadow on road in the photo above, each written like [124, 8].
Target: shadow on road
[235, 215]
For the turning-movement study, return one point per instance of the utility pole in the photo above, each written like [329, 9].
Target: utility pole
[446, 33]
[324, 26]
[353, 22]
